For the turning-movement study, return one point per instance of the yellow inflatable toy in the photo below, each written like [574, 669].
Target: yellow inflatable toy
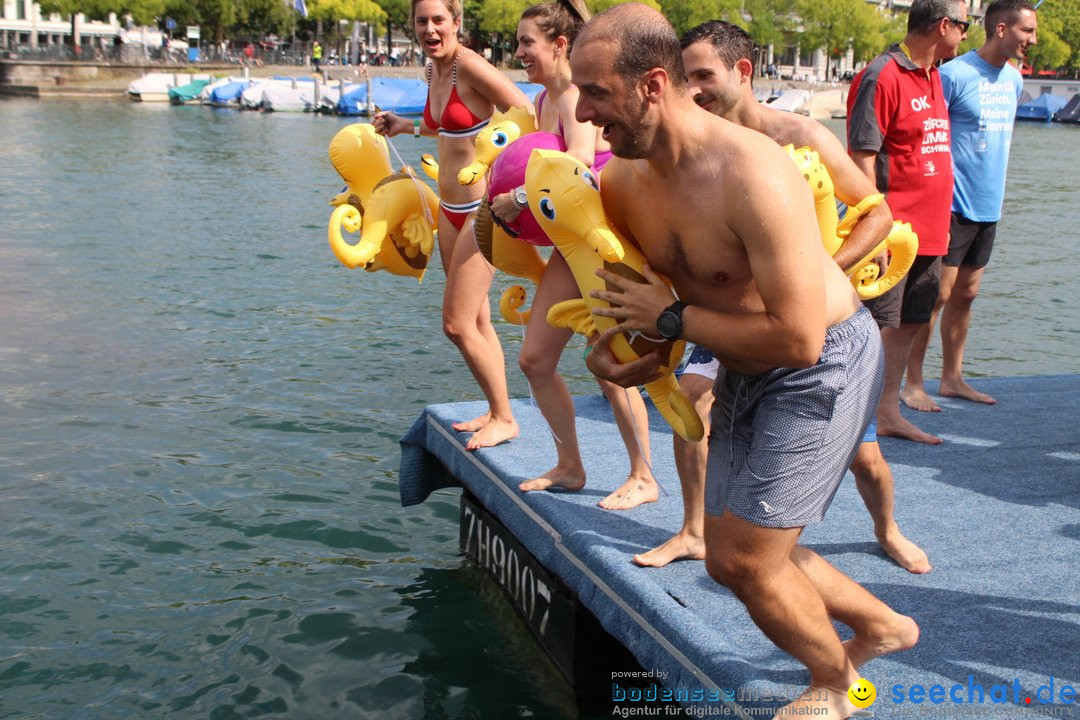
[902, 242]
[430, 166]
[503, 129]
[569, 209]
[513, 258]
[394, 213]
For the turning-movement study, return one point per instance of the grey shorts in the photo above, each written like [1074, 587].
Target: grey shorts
[781, 441]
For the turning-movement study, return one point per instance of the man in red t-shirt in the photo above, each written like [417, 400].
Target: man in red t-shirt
[898, 134]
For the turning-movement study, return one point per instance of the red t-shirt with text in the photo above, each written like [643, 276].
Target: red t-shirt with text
[897, 110]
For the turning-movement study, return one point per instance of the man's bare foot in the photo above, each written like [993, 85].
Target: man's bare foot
[907, 554]
[962, 390]
[635, 491]
[901, 428]
[899, 633]
[556, 477]
[917, 399]
[496, 431]
[472, 425]
[681, 546]
[820, 702]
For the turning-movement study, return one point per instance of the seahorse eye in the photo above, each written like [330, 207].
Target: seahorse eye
[499, 138]
[591, 179]
[547, 208]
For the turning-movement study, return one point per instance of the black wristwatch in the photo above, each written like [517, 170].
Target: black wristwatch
[669, 324]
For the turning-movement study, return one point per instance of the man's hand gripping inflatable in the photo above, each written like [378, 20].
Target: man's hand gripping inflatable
[569, 208]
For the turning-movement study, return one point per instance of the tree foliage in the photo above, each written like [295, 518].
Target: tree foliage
[685, 14]
[770, 21]
[839, 25]
[599, 6]
[398, 12]
[143, 12]
[332, 11]
[1059, 37]
[501, 16]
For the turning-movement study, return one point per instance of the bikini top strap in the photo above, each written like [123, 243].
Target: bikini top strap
[453, 72]
[427, 72]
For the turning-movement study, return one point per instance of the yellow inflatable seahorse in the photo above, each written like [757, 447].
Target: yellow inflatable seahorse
[394, 213]
[569, 209]
[361, 157]
[503, 129]
[901, 241]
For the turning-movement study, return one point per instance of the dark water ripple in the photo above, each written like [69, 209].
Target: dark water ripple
[199, 415]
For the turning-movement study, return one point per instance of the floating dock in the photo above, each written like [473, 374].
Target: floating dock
[996, 507]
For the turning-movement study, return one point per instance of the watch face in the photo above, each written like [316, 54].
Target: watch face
[668, 325]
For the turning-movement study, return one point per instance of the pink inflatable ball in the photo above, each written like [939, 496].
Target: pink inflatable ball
[508, 172]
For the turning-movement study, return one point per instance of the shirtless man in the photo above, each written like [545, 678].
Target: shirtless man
[732, 224]
[718, 58]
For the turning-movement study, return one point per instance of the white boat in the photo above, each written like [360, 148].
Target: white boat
[825, 104]
[790, 100]
[298, 96]
[154, 87]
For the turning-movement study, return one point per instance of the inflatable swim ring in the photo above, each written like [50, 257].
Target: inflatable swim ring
[508, 172]
[566, 196]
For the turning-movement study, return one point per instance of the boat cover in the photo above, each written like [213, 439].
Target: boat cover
[1041, 108]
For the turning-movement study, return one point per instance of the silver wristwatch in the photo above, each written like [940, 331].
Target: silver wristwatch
[519, 198]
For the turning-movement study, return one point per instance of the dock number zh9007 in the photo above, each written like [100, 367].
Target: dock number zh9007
[522, 578]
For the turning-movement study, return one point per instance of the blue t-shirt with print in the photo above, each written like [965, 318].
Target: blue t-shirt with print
[982, 103]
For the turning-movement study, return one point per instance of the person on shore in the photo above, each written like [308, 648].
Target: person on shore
[316, 55]
[982, 91]
[719, 61]
[463, 92]
[729, 221]
[898, 135]
[545, 36]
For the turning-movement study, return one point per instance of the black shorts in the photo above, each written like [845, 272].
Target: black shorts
[970, 242]
[912, 300]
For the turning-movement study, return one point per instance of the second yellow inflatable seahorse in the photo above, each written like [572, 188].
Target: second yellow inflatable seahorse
[901, 241]
[569, 208]
[393, 212]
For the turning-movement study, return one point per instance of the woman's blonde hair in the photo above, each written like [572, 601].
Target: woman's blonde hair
[454, 6]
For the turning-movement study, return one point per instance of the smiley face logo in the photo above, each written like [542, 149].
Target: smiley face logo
[862, 694]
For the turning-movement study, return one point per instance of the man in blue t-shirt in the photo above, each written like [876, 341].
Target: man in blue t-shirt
[982, 90]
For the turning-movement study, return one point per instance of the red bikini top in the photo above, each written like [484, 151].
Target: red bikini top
[457, 119]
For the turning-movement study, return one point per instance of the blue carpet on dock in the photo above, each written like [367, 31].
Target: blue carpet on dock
[996, 507]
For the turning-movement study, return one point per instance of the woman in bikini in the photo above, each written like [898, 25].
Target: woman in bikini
[545, 35]
[463, 92]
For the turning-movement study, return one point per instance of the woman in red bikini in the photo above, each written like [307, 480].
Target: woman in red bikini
[463, 92]
[545, 35]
